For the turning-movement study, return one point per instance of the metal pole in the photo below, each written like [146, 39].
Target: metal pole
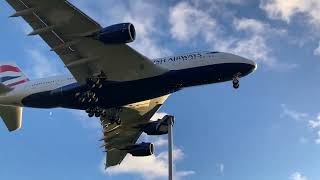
[170, 147]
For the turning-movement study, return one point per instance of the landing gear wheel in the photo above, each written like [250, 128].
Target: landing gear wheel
[77, 94]
[88, 110]
[95, 82]
[235, 81]
[97, 114]
[91, 114]
[82, 99]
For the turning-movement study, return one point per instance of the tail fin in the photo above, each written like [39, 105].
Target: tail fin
[11, 75]
[12, 117]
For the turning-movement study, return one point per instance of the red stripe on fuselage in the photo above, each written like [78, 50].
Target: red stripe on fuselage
[6, 68]
[17, 83]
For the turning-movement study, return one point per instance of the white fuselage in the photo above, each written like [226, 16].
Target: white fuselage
[176, 63]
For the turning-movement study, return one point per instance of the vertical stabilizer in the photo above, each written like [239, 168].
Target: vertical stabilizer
[12, 117]
[11, 75]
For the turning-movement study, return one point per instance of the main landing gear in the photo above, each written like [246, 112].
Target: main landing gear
[94, 83]
[90, 98]
[236, 81]
[113, 115]
[87, 97]
[107, 117]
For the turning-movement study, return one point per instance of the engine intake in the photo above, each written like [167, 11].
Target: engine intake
[140, 150]
[117, 34]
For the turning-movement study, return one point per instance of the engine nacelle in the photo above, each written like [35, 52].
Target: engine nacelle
[159, 127]
[143, 149]
[117, 34]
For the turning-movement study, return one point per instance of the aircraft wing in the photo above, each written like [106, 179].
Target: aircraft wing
[63, 27]
[118, 137]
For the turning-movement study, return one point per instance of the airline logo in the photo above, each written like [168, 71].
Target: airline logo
[11, 75]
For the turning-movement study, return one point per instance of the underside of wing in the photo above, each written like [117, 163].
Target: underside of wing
[66, 30]
[117, 138]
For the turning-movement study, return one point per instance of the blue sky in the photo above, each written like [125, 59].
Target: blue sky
[268, 129]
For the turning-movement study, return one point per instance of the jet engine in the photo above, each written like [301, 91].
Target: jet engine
[117, 34]
[143, 149]
[159, 127]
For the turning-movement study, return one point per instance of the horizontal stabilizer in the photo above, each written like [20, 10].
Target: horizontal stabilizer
[12, 117]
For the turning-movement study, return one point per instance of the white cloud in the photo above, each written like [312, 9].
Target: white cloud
[158, 116]
[317, 51]
[250, 24]
[317, 141]
[313, 124]
[160, 142]
[221, 168]
[298, 176]
[85, 120]
[237, 2]
[190, 23]
[187, 22]
[298, 116]
[40, 64]
[256, 26]
[286, 10]
[151, 167]
[254, 45]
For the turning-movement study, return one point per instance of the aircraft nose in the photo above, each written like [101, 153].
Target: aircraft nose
[253, 65]
[249, 66]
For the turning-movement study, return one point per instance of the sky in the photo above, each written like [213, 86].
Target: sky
[268, 129]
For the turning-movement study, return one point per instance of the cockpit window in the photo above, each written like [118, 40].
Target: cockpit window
[213, 52]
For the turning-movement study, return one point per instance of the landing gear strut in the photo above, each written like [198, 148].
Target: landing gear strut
[235, 81]
[110, 116]
[88, 96]
[94, 83]
[114, 116]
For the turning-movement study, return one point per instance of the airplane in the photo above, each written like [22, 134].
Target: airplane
[109, 79]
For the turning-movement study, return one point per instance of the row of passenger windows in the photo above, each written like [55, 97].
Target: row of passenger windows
[51, 82]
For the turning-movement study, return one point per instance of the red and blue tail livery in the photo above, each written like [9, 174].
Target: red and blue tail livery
[11, 75]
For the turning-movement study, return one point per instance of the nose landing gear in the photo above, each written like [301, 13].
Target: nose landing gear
[236, 81]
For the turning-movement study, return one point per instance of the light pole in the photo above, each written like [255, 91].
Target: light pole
[170, 146]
